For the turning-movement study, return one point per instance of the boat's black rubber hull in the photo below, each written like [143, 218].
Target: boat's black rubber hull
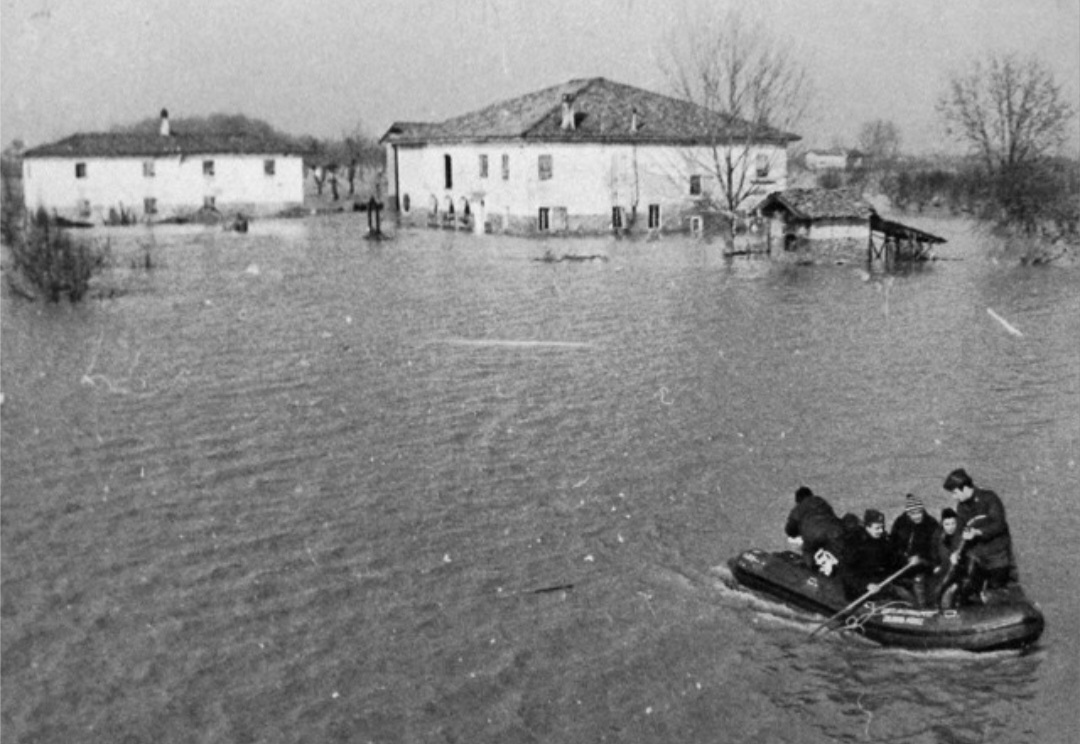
[1016, 623]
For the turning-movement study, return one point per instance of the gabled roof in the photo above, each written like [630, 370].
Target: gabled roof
[120, 144]
[604, 111]
[818, 204]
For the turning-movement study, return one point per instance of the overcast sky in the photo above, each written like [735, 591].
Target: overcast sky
[323, 67]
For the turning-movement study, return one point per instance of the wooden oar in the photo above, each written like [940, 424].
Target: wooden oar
[914, 561]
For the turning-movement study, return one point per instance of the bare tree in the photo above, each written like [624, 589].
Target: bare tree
[732, 67]
[1012, 114]
[879, 142]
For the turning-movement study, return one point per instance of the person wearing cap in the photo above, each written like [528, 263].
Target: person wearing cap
[871, 557]
[982, 523]
[913, 535]
[813, 522]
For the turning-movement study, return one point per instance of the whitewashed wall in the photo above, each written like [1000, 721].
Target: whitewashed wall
[178, 184]
[587, 179]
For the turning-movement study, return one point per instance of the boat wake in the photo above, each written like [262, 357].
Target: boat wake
[725, 583]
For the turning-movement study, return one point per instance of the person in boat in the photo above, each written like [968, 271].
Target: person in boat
[982, 523]
[813, 522]
[913, 534]
[948, 544]
[870, 558]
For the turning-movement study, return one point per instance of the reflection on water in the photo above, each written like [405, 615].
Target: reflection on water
[298, 485]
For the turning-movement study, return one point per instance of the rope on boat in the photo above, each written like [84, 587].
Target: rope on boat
[856, 623]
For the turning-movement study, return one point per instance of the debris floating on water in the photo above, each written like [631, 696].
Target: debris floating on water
[510, 343]
[1004, 323]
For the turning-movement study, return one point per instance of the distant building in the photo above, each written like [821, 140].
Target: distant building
[102, 177]
[586, 156]
[833, 159]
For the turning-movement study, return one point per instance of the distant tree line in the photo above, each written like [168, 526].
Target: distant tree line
[1042, 198]
[1017, 177]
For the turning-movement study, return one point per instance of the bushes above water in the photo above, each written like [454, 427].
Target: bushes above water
[48, 262]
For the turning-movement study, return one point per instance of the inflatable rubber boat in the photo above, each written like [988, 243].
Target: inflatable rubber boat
[1006, 620]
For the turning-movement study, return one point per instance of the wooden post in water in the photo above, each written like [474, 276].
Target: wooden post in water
[374, 219]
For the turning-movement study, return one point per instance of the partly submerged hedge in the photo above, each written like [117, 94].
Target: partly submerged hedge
[47, 261]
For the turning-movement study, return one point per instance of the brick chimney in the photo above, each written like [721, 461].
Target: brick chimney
[164, 130]
[635, 121]
[567, 111]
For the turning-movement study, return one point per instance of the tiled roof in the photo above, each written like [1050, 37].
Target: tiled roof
[119, 145]
[603, 113]
[819, 204]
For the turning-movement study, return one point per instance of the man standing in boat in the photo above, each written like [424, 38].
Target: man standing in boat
[814, 522]
[982, 522]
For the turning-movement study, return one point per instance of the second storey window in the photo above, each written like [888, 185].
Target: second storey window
[695, 185]
[80, 170]
[269, 167]
[506, 167]
[483, 166]
[544, 165]
[208, 167]
[148, 168]
[762, 163]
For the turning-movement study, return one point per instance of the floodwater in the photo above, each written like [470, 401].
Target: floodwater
[294, 486]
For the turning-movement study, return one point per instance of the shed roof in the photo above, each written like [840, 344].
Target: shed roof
[122, 144]
[819, 204]
[901, 231]
[603, 110]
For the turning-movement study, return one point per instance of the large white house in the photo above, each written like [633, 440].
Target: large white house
[103, 177]
[589, 155]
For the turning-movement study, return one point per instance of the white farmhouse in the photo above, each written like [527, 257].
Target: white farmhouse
[586, 156]
[106, 177]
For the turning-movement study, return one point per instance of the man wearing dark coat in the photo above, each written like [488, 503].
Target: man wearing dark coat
[871, 557]
[814, 522]
[982, 523]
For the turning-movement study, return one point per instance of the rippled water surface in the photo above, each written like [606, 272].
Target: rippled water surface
[296, 486]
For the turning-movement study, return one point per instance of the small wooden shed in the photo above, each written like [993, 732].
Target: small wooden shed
[798, 215]
[840, 221]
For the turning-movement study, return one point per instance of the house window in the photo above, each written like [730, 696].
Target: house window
[543, 221]
[654, 216]
[269, 167]
[448, 169]
[80, 170]
[148, 168]
[695, 185]
[83, 206]
[762, 165]
[150, 205]
[483, 166]
[209, 202]
[616, 218]
[208, 167]
[544, 165]
[405, 203]
[506, 167]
